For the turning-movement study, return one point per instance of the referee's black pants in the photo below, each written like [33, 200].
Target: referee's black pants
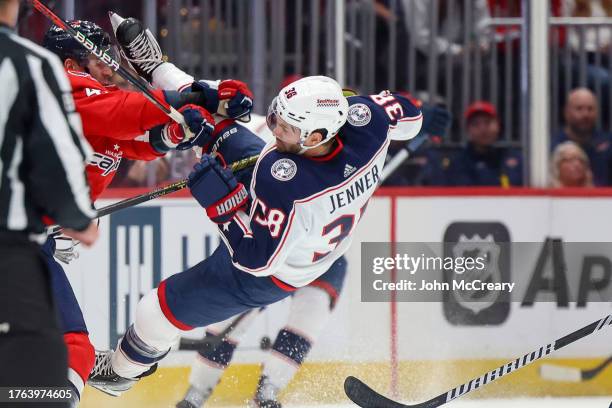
[32, 351]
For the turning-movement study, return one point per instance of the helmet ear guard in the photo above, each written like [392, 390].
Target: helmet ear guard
[311, 104]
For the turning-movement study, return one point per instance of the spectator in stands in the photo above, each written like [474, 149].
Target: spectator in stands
[481, 162]
[570, 167]
[580, 115]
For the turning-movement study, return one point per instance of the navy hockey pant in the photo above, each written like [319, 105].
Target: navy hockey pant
[214, 290]
[71, 316]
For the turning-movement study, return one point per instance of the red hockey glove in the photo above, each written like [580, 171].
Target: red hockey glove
[240, 97]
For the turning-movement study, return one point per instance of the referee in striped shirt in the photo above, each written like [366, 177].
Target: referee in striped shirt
[42, 174]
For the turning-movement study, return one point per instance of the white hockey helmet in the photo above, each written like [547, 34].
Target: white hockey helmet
[309, 104]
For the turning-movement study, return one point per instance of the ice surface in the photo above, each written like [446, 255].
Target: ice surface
[595, 402]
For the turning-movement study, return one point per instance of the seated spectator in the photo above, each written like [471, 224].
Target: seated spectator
[570, 167]
[580, 115]
[481, 162]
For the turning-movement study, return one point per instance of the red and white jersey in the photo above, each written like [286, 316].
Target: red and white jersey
[115, 123]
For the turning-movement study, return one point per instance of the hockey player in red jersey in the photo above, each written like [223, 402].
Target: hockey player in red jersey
[118, 124]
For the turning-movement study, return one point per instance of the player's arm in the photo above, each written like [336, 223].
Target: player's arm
[390, 112]
[159, 140]
[125, 114]
[258, 242]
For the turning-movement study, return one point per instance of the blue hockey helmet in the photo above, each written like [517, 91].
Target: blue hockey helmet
[60, 42]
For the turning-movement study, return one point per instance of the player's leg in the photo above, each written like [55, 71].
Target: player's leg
[81, 354]
[210, 362]
[209, 292]
[311, 307]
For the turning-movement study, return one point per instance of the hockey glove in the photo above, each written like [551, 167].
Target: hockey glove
[217, 190]
[235, 96]
[436, 120]
[172, 136]
[239, 98]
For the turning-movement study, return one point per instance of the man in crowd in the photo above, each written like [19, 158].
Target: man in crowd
[580, 115]
[481, 162]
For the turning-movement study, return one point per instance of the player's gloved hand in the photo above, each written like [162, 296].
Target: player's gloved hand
[232, 98]
[199, 121]
[436, 120]
[238, 96]
[217, 190]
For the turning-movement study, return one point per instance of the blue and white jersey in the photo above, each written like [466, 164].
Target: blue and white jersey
[304, 209]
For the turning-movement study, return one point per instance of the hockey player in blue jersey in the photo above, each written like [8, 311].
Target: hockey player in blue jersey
[309, 189]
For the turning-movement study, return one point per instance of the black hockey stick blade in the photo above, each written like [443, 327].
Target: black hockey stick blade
[366, 397]
[589, 374]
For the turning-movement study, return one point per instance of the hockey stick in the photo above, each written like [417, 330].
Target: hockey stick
[158, 192]
[553, 372]
[144, 87]
[210, 342]
[409, 148]
[162, 191]
[366, 397]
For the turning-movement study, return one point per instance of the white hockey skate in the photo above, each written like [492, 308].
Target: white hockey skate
[105, 379]
[194, 398]
[266, 395]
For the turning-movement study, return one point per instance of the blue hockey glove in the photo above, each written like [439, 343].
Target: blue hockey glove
[436, 120]
[201, 124]
[217, 190]
[236, 94]
[172, 135]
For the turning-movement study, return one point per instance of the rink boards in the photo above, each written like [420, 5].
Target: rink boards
[414, 348]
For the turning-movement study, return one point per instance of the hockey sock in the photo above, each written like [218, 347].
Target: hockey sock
[207, 369]
[81, 359]
[147, 341]
[209, 365]
[133, 356]
[308, 316]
